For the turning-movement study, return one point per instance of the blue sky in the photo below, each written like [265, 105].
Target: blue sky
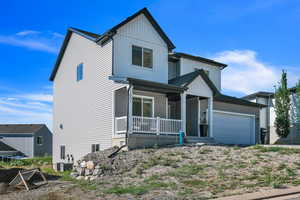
[256, 38]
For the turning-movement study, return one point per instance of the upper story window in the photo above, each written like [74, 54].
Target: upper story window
[79, 72]
[142, 57]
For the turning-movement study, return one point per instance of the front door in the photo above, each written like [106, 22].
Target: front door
[192, 116]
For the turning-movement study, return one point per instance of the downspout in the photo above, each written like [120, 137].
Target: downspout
[127, 128]
[268, 120]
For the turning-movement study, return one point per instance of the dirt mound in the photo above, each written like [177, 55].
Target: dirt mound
[120, 163]
[7, 175]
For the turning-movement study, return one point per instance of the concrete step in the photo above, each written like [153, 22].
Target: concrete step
[191, 139]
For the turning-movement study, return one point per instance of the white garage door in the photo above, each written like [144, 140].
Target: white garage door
[233, 128]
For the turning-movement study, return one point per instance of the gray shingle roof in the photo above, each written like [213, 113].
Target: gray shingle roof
[20, 128]
[5, 147]
[258, 94]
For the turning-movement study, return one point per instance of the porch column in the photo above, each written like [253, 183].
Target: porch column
[130, 94]
[210, 113]
[183, 111]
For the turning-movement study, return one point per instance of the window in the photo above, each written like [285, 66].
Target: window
[80, 72]
[62, 152]
[95, 147]
[39, 140]
[142, 57]
[143, 106]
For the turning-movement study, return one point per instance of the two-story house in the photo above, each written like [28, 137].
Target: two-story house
[268, 115]
[128, 86]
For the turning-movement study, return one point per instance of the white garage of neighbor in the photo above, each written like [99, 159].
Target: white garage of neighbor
[233, 128]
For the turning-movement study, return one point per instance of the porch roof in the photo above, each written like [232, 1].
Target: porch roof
[155, 86]
[187, 79]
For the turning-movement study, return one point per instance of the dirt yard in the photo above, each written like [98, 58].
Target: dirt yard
[189, 172]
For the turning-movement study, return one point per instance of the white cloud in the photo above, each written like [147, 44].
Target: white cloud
[34, 40]
[27, 32]
[26, 108]
[40, 97]
[246, 74]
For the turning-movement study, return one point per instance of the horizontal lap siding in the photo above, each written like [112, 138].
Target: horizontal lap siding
[84, 108]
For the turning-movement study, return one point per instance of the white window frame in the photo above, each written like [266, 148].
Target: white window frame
[142, 66]
[145, 97]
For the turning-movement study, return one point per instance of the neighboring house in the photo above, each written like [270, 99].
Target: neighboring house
[30, 140]
[128, 87]
[6, 150]
[268, 115]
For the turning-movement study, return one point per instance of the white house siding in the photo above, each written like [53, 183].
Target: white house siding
[140, 32]
[187, 66]
[84, 108]
[23, 144]
[199, 88]
[263, 116]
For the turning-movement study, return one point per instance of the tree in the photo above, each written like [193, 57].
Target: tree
[282, 107]
[297, 105]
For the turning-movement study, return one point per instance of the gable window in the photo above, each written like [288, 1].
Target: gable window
[39, 140]
[80, 72]
[95, 147]
[143, 106]
[142, 57]
[62, 152]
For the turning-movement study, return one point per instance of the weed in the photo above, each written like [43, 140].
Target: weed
[196, 183]
[187, 170]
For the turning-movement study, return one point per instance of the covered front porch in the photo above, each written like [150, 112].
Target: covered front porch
[147, 108]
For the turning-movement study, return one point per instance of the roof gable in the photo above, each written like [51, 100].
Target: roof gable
[153, 22]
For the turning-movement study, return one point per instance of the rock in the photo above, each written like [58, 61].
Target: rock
[83, 164]
[80, 178]
[3, 188]
[97, 172]
[90, 165]
[74, 174]
[81, 171]
[87, 178]
[88, 172]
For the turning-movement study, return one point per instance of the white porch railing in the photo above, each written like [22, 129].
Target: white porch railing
[120, 125]
[148, 125]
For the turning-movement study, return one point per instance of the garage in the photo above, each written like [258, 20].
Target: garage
[233, 128]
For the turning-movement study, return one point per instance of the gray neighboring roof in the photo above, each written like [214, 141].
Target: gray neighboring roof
[5, 147]
[198, 58]
[258, 94]
[20, 128]
[235, 100]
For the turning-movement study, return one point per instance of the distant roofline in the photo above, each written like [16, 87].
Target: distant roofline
[198, 58]
[259, 94]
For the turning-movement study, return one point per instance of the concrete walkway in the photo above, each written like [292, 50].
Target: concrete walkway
[291, 193]
[283, 146]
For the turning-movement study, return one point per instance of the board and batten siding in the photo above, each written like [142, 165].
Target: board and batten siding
[141, 33]
[188, 65]
[83, 109]
[160, 102]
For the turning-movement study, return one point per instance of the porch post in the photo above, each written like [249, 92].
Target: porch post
[130, 94]
[183, 111]
[210, 108]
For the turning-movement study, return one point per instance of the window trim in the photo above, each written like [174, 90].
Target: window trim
[142, 66]
[144, 97]
[37, 140]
